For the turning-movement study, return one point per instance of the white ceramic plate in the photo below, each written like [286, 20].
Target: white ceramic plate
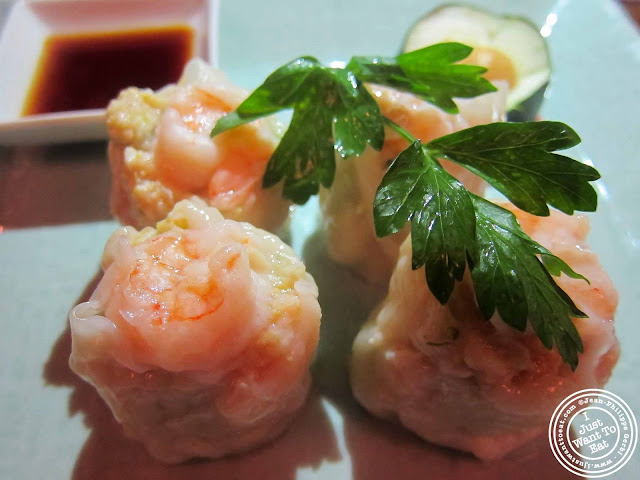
[53, 424]
[31, 22]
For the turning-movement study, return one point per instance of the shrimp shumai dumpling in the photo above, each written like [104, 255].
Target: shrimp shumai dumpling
[200, 334]
[348, 205]
[161, 152]
[475, 385]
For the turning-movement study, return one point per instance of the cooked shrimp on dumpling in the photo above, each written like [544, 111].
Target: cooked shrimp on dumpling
[200, 334]
[161, 152]
[347, 205]
[481, 386]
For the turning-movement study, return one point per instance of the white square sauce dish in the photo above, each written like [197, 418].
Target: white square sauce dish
[63, 59]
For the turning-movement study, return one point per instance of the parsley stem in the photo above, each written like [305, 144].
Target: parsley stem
[398, 129]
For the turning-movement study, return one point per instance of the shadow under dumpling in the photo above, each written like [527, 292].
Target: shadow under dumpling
[108, 454]
[345, 300]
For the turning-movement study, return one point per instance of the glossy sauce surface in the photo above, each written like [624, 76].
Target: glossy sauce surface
[83, 71]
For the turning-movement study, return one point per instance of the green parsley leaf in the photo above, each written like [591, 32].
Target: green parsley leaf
[509, 277]
[416, 188]
[305, 157]
[516, 159]
[332, 111]
[431, 73]
[357, 116]
[556, 266]
[279, 91]
[450, 228]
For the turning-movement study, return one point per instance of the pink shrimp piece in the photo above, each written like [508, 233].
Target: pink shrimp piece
[483, 387]
[200, 334]
[161, 152]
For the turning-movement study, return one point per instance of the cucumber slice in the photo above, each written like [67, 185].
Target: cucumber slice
[510, 47]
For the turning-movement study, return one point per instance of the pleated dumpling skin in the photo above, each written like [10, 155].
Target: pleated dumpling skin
[200, 334]
[161, 152]
[348, 205]
[481, 386]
